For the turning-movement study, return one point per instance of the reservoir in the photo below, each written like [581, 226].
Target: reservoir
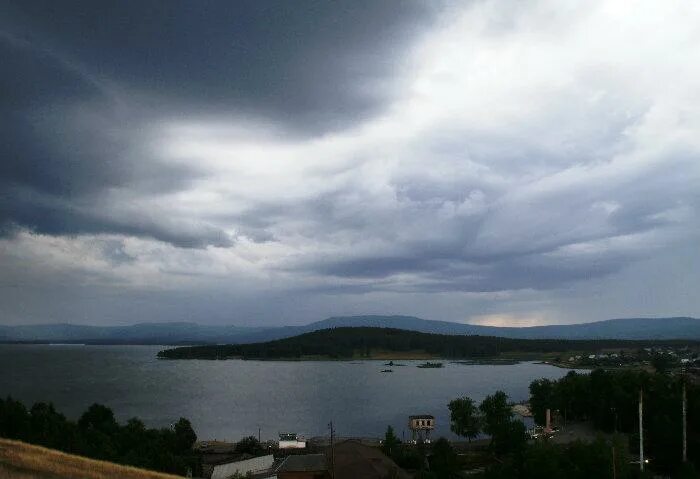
[227, 400]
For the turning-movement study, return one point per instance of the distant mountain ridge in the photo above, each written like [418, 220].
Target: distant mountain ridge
[193, 333]
[622, 328]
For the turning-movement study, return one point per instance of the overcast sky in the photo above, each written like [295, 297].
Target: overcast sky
[274, 162]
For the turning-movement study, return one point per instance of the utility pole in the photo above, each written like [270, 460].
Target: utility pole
[258, 433]
[613, 461]
[641, 431]
[330, 425]
[685, 420]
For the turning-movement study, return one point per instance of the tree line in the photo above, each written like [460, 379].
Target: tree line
[609, 400]
[98, 435]
[493, 416]
[345, 343]
[515, 457]
[606, 399]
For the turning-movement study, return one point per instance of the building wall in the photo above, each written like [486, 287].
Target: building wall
[422, 423]
[292, 444]
[254, 464]
[303, 475]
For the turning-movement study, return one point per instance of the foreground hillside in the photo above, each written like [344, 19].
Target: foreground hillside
[19, 460]
[348, 343]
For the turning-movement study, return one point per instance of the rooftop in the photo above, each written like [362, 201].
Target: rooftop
[304, 463]
[354, 460]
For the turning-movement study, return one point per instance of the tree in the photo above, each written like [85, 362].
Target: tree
[542, 459]
[443, 461]
[100, 418]
[185, 436]
[662, 362]
[48, 426]
[542, 397]
[507, 435]
[464, 417]
[510, 437]
[496, 412]
[390, 442]
[14, 419]
[249, 445]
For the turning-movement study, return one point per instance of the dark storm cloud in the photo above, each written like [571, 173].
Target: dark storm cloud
[81, 79]
[310, 64]
[435, 272]
[55, 167]
[33, 82]
[51, 215]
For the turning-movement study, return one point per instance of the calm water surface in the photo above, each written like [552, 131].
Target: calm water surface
[230, 399]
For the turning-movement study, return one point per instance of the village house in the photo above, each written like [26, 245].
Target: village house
[421, 426]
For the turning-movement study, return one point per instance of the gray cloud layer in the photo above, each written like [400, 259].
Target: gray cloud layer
[83, 78]
[280, 162]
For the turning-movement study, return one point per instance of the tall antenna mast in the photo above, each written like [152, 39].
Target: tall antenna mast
[330, 425]
[685, 420]
[641, 431]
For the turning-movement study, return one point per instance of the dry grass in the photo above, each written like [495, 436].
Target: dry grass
[19, 460]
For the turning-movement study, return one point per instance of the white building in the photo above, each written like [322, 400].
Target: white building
[253, 465]
[291, 441]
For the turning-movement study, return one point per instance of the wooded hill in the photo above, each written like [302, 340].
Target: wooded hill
[348, 343]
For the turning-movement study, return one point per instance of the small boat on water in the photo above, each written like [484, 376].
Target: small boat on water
[387, 371]
[428, 364]
[392, 364]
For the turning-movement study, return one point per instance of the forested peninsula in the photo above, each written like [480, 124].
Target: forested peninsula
[381, 343]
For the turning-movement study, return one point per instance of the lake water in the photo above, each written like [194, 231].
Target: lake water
[231, 399]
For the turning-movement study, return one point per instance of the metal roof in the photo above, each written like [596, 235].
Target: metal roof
[304, 463]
